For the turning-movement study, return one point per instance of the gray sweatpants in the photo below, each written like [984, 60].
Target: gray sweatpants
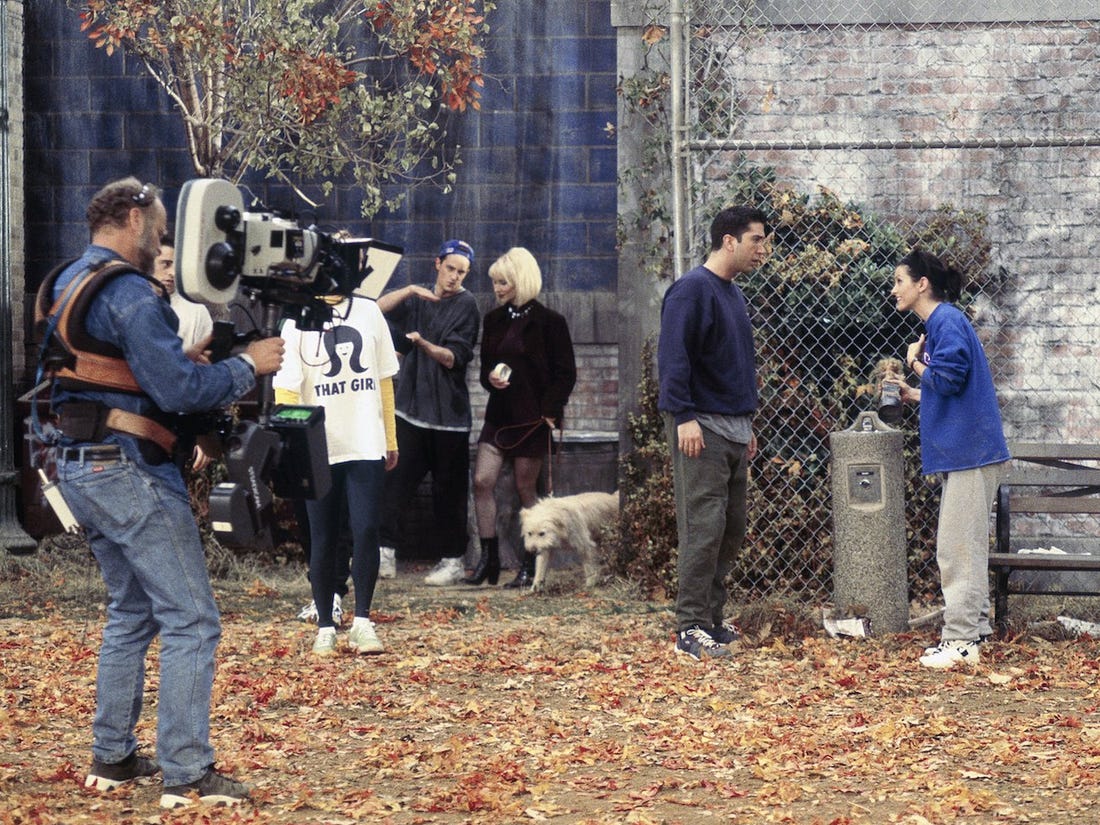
[962, 550]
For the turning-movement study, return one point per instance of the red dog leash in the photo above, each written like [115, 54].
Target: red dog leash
[530, 428]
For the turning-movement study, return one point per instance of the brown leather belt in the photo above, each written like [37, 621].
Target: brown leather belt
[134, 424]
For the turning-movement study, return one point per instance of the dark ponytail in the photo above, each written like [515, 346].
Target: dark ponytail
[946, 281]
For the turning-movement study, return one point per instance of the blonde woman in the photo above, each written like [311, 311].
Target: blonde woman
[527, 365]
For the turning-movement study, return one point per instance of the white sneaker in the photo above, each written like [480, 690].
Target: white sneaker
[952, 652]
[362, 637]
[982, 639]
[446, 573]
[387, 565]
[325, 643]
[308, 613]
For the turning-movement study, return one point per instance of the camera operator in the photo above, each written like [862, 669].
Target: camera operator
[116, 472]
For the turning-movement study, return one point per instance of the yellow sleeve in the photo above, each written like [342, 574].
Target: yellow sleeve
[387, 414]
[286, 396]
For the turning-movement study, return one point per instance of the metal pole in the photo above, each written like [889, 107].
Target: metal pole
[679, 187]
[732, 145]
[12, 535]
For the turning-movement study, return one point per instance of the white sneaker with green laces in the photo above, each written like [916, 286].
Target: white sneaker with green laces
[325, 643]
[362, 637]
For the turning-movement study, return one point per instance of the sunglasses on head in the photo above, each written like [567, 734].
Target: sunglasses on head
[145, 196]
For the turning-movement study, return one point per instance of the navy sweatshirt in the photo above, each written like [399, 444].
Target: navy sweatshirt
[705, 355]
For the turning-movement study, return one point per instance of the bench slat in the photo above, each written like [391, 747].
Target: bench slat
[1027, 450]
[1053, 504]
[1052, 477]
[1045, 561]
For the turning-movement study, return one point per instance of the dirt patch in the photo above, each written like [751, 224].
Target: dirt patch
[491, 706]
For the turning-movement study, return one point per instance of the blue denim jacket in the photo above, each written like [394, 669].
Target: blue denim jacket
[130, 314]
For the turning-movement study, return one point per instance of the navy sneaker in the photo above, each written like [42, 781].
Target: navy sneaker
[698, 644]
[211, 789]
[106, 776]
[725, 633]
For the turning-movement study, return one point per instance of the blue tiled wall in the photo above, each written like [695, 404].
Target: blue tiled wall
[538, 171]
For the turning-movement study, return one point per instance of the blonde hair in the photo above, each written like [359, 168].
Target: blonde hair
[519, 268]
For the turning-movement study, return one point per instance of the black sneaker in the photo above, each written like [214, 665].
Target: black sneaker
[725, 633]
[698, 643]
[212, 789]
[105, 776]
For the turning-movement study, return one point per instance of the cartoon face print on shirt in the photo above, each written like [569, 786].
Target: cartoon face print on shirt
[343, 343]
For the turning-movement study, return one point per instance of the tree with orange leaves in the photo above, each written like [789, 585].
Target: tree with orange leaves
[309, 91]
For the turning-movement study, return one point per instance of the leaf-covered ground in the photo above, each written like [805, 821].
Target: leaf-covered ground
[490, 707]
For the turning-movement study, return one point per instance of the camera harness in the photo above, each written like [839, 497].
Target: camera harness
[79, 361]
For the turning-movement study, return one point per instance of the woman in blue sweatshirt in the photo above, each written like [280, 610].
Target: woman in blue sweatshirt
[961, 438]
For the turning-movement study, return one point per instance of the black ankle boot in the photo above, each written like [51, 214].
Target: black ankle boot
[526, 575]
[488, 566]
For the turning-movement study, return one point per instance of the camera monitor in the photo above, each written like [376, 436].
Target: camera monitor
[381, 261]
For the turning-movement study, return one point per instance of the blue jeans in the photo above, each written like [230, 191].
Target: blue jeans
[359, 484]
[151, 557]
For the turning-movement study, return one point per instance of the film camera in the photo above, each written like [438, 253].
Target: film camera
[224, 254]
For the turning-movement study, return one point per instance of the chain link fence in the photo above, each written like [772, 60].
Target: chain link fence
[972, 130]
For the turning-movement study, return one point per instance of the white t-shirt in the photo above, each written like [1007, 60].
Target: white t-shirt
[195, 320]
[340, 369]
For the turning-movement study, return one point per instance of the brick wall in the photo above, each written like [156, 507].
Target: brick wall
[972, 83]
[593, 406]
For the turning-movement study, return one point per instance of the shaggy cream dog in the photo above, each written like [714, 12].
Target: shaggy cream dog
[567, 522]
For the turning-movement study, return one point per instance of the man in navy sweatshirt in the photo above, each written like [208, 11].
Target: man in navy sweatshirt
[707, 378]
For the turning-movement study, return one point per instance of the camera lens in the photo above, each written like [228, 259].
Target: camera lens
[227, 218]
[222, 267]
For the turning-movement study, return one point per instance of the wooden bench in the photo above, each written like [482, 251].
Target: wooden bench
[1046, 479]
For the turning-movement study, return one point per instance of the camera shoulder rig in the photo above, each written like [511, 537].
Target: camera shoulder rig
[76, 359]
[79, 361]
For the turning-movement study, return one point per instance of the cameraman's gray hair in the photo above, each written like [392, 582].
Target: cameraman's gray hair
[111, 205]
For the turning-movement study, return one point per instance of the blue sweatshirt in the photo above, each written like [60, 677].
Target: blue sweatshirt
[705, 354]
[960, 422]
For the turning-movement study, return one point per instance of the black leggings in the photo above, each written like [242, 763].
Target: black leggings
[359, 484]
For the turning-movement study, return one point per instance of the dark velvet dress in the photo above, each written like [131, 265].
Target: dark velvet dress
[534, 341]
